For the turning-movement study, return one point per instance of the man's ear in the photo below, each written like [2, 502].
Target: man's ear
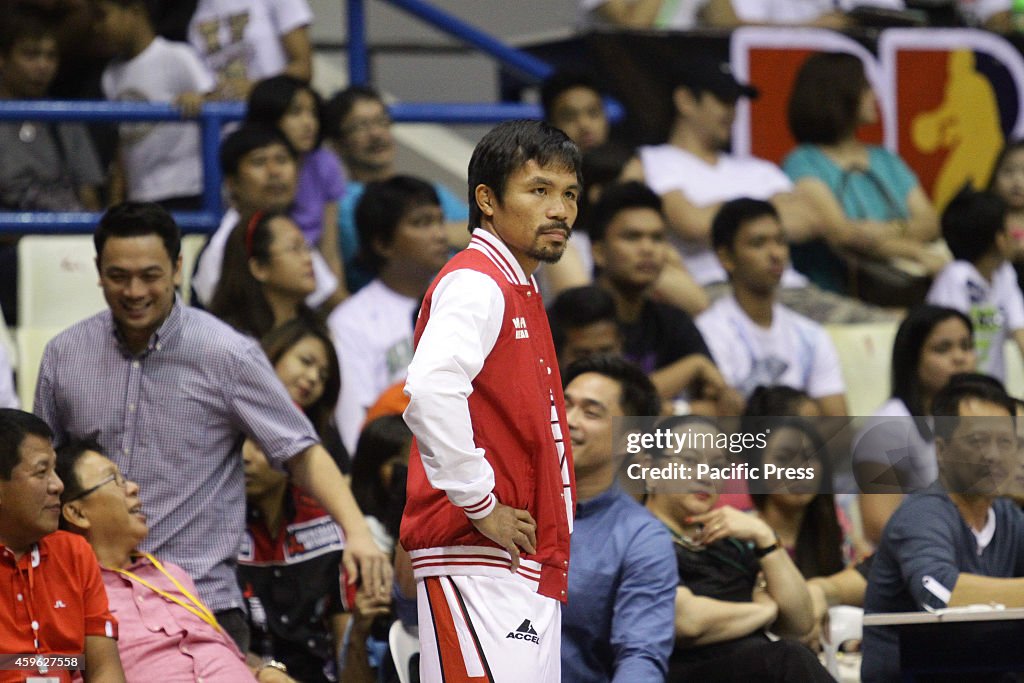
[683, 101]
[177, 272]
[724, 255]
[485, 199]
[73, 515]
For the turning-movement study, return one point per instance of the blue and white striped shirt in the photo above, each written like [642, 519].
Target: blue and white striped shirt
[173, 418]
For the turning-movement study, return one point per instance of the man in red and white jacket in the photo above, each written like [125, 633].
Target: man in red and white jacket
[491, 492]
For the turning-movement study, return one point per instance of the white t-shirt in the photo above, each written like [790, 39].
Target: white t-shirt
[8, 396]
[162, 160]
[242, 38]
[995, 308]
[795, 351]
[891, 437]
[674, 14]
[372, 331]
[667, 168]
[800, 11]
[207, 274]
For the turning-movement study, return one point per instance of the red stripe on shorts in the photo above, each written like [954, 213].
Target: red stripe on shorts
[449, 651]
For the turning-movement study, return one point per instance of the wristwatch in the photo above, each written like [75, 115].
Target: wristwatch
[761, 552]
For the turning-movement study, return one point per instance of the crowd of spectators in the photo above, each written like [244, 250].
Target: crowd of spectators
[237, 466]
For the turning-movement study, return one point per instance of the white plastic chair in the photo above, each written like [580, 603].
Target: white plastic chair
[865, 355]
[404, 644]
[845, 622]
[57, 286]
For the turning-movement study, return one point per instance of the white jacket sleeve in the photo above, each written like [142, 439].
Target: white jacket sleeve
[465, 319]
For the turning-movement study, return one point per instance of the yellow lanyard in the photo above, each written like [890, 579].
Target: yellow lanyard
[196, 607]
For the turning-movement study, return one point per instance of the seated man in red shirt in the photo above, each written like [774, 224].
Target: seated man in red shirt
[50, 587]
[167, 633]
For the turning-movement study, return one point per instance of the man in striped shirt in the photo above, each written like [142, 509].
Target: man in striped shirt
[170, 392]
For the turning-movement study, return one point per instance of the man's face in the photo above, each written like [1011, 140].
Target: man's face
[632, 254]
[707, 116]
[591, 401]
[598, 338]
[579, 112]
[30, 500]
[28, 69]
[364, 138]
[981, 455]
[111, 508]
[419, 244]
[536, 214]
[758, 256]
[265, 180]
[138, 280]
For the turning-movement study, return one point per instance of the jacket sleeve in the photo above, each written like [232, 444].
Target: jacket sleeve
[465, 319]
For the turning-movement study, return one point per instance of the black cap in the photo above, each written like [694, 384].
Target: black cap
[704, 74]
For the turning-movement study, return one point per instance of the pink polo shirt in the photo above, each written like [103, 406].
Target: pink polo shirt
[162, 641]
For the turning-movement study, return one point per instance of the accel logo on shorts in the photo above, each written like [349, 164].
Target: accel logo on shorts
[524, 632]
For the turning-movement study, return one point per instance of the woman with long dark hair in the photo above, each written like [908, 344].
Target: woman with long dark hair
[854, 183]
[895, 451]
[266, 276]
[292, 107]
[289, 565]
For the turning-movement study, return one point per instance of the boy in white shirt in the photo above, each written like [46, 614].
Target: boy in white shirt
[403, 241]
[753, 339]
[160, 162]
[981, 283]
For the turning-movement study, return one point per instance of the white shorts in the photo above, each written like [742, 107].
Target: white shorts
[487, 630]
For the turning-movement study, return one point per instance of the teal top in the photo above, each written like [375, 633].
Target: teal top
[878, 192]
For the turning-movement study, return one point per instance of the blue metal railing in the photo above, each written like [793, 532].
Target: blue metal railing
[211, 120]
[215, 114]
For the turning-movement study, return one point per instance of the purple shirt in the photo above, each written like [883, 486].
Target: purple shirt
[321, 181]
[162, 641]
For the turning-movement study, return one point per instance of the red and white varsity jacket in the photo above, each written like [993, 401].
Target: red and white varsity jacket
[487, 411]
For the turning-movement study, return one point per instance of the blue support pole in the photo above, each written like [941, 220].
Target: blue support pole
[525, 64]
[210, 132]
[358, 54]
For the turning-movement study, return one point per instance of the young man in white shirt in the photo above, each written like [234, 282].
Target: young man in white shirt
[754, 339]
[695, 174]
[403, 238]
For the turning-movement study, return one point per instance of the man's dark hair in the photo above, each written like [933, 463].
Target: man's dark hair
[381, 208]
[559, 82]
[637, 395]
[817, 119]
[24, 21]
[731, 217]
[138, 219]
[68, 456]
[15, 425]
[971, 222]
[337, 108]
[507, 148]
[246, 139]
[616, 198]
[963, 386]
[578, 307]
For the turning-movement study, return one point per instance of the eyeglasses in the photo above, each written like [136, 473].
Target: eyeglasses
[116, 477]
